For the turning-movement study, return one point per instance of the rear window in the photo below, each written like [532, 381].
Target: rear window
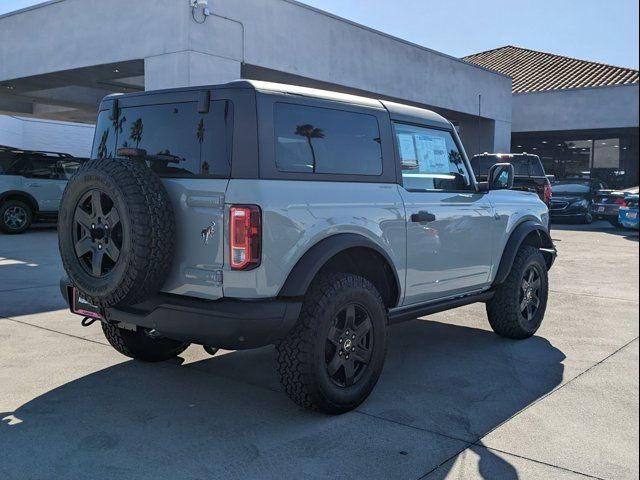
[324, 140]
[523, 166]
[178, 140]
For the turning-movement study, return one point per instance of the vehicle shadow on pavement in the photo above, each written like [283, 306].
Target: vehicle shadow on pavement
[226, 416]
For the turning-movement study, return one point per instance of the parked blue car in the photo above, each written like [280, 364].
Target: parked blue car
[628, 215]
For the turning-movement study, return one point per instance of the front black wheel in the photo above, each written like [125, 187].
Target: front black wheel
[15, 217]
[332, 358]
[519, 304]
[142, 344]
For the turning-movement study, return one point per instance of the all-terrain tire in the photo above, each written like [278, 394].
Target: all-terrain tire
[9, 227]
[140, 345]
[147, 235]
[504, 309]
[301, 354]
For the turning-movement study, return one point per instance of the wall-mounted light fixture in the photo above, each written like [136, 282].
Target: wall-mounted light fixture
[196, 5]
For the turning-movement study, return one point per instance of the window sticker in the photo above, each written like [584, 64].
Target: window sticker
[432, 154]
[407, 147]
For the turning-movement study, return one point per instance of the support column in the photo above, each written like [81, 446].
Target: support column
[186, 69]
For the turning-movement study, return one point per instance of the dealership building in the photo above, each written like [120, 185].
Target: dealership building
[58, 59]
[580, 117]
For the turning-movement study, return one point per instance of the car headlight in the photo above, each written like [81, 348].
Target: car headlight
[581, 203]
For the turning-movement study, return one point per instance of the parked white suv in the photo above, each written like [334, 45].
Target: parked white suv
[31, 186]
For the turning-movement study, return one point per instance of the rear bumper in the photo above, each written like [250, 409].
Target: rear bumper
[227, 323]
[609, 212]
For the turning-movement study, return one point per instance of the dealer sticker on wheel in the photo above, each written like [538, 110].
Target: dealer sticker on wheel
[82, 306]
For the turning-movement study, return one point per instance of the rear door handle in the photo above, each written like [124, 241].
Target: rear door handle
[423, 217]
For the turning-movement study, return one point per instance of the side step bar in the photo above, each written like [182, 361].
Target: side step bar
[402, 314]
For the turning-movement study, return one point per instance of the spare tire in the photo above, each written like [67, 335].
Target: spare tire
[116, 231]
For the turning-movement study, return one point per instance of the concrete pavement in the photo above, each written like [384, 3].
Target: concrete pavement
[454, 401]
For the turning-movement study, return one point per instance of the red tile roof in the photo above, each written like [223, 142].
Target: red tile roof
[534, 71]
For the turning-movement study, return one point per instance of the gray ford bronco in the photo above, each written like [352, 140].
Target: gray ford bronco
[247, 214]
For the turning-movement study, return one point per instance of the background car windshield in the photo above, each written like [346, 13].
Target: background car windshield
[571, 188]
[521, 167]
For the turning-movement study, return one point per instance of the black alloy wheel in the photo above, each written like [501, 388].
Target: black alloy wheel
[530, 293]
[349, 345]
[15, 217]
[97, 231]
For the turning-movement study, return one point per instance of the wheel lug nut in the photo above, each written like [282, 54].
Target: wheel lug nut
[99, 246]
[353, 336]
[93, 225]
[340, 353]
[347, 357]
[341, 340]
[353, 349]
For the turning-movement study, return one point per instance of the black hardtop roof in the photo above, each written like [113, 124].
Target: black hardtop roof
[397, 111]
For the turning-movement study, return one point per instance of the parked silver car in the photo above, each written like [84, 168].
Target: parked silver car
[250, 213]
[31, 186]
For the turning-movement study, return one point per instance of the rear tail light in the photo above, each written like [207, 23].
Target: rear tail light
[548, 193]
[245, 237]
[621, 201]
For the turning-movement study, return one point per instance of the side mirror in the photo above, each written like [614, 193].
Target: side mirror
[501, 176]
[551, 178]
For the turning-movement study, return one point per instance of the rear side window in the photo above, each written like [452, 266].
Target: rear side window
[11, 163]
[177, 139]
[41, 168]
[324, 140]
[430, 159]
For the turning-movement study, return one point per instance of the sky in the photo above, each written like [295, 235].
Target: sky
[598, 30]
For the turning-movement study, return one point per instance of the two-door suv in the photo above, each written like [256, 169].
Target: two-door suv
[247, 214]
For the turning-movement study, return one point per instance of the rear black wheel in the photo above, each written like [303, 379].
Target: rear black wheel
[332, 358]
[142, 344]
[15, 216]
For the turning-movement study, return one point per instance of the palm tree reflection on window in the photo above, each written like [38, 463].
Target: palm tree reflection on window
[102, 148]
[200, 136]
[456, 159]
[136, 131]
[309, 132]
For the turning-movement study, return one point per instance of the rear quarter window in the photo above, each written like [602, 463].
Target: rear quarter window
[326, 141]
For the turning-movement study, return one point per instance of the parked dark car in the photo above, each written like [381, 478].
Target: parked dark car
[529, 172]
[607, 203]
[572, 200]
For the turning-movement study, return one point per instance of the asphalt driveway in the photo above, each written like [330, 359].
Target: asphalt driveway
[454, 400]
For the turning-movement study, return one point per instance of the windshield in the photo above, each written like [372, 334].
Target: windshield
[571, 188]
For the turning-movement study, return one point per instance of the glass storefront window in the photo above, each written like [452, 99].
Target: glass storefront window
[612, 159]
[606, 153]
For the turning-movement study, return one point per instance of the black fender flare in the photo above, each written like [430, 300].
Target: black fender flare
[308, 266]
[24, 196]
[518, 236]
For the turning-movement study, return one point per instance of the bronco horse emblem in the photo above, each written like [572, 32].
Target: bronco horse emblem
[208, 232]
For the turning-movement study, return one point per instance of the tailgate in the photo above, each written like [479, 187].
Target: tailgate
[199, 256]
